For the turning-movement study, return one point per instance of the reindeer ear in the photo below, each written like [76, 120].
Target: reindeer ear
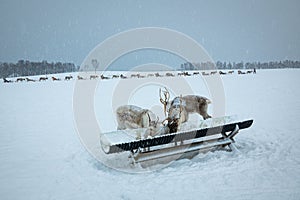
[157, 120]
[208, 101]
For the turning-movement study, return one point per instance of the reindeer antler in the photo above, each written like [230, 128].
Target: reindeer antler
[181, 107]
[166, 98]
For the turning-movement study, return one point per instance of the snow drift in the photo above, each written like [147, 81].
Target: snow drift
[42, 157]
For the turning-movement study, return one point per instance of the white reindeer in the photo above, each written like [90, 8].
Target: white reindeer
[133, 117]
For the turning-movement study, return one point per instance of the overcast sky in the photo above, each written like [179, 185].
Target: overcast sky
[60, 30]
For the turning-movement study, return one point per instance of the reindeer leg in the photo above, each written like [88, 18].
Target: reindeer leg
[203, 112]
[206, 116]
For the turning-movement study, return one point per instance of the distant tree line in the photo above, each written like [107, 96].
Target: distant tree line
[241, 65]
[28, 68]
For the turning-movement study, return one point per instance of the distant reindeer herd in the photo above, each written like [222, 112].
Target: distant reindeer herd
[133, 75]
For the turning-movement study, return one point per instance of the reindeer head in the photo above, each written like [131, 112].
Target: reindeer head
[176, 112]
[151, 117]
[174, 108]
[153, 128]
[177, 109]
[171, 124]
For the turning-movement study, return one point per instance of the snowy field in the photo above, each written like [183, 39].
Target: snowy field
[42, 157]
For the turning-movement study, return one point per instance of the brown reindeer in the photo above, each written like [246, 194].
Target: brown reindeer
[231, 72]
[55, 79]
[196, 73]
[20, 79]
[43, 78]
[30, 80]
[115, 76]
[222, 73]
[240, 72]
[205, 74]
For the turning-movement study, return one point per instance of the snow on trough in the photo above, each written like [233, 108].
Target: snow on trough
[41, 156]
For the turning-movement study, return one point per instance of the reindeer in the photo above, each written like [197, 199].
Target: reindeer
[222, 73]
[231, 72]
[68, 78]
[7, 81]
[205, 74]
[43, 78]
[179, 108]
[240, 72]
[80, 78]
[169, 74]
[20, 79]
[115, 76]
[249, 72]
[213, 72]
[150, 75]
[133, 117]
[93, 77]
[186, 74]
[140, 76]
[157, 75]
[133, 76]
[122, 76]
[196, 73]
[30, 80]
[55, 79]
[103, 77]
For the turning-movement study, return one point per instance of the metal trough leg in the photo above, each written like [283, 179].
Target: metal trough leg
[230, 136]
[233, 148]
[234, 132]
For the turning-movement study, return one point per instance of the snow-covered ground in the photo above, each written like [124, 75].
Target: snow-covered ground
[41, 156]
